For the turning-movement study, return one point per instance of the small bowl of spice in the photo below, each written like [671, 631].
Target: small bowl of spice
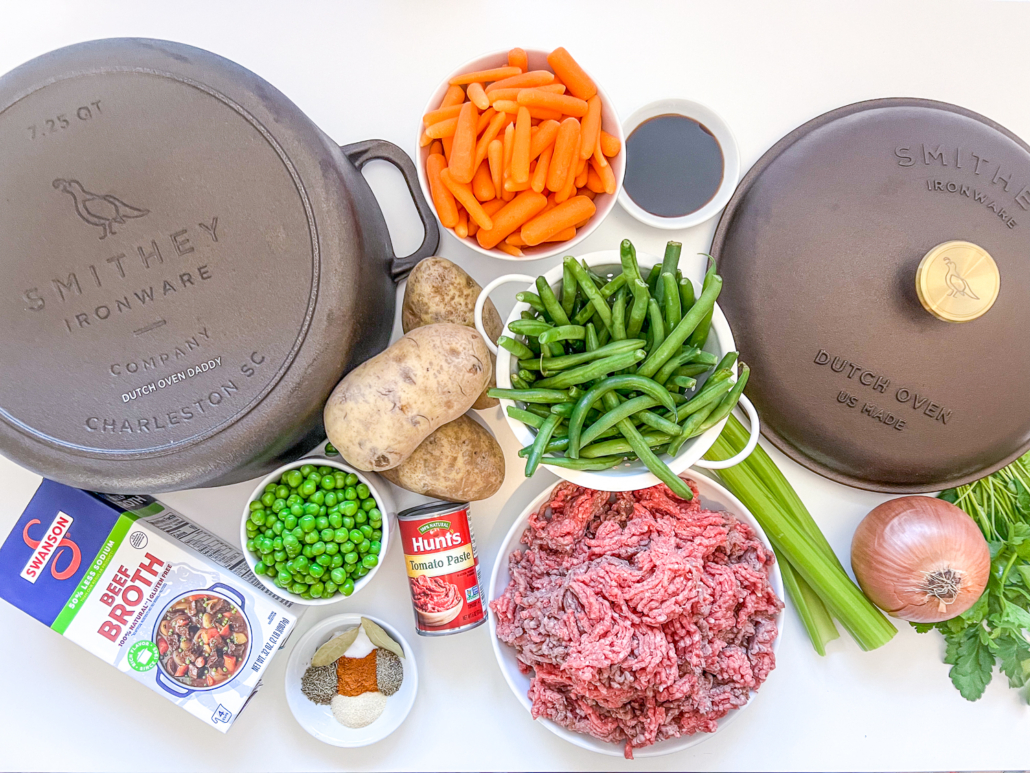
[351, 680]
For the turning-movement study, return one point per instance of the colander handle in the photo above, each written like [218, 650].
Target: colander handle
[481, 302]
[745, 452]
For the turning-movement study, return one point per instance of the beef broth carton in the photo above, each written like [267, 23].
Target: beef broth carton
[149, 592]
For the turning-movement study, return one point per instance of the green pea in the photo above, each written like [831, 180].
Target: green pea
[311, 537]
[300, 564]
[250, 546]
[341, 535]
[347, 587]
[338, 576]
[377, 534]
[306, 523]
[277, 543]
[375, 547]
[259, 567]
[258, 517]
[306, 551]
[305, 596]
[307, 469]
[355, 536]
[327, 535]
[279, 556]
[317, 548]
[279, 505]
[294, 478]
[347, 547]
[270, 487]
[278, 527]
[349, 508]
[335, 520]
[351, 568]
[362, 490]
[340, 478]
[328, 483]
[364, 546]
[290, 522]
[297, 509]
[330, 498]
[351, 557]
[366, 530]
[257, 504]
[318, 498]
[294, 499]
[375, 524]
[316, 590]
[330, 588]
[361, 517]
[324, 560]
[368, 504]
[252, 528]
[321, 522]
[361, 572]
[307, 488]
[267, 499]
[281, 492]
[332, 548]
[337, 560]
[330, 450]
[350, 493]
[265, 546]
[310, 509]
[369, 561]
[316, 570]
[297, 531]
[348, 522]
[352, 479]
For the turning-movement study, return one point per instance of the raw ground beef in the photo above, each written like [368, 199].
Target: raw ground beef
[640, 616]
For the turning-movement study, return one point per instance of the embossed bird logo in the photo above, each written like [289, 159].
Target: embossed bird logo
[102, 211]
[957, 284]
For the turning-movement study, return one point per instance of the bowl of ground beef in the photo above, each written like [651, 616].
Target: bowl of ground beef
[635, 623]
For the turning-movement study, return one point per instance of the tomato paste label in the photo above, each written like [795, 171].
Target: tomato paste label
[443, 568]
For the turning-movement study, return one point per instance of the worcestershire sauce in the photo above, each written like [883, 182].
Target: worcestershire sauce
[674, 165]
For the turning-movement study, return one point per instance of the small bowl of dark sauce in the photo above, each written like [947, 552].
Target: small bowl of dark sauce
[682, 164]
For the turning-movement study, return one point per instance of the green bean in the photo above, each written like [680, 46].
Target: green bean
[600, 390]
[700, 334]
[727, 361]
[654, 421]
[684, 356]
[622, 445]
[689, 428]
[671, 301]
[563, 333]
[554, 309]
[550, 364]
[669, 263]
[729, 402]
[528, 314]
[589, 289]
[676, 338]
[569, 290]
[529, 327]
[628, 259]
[684, 382]
[687, 298]
[659, 468]
[613, 286]
[518, 349]
[690, 369]
[575, 392]
[614, 416]
[518, 383]
[535, 395]
[563, 409]
[531, 298]
[556, 444]
[619, 316]
[638, 310]
[543, 437]
[585, 314]
[596, 278]
[652, 278]
[657, 329]
[527, 375]
[713, 391]
[591, 339]
[526, 417]
[592, 370]
[598, 464]
[604, 337]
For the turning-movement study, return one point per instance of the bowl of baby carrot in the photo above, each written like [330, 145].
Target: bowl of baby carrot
[520, 152]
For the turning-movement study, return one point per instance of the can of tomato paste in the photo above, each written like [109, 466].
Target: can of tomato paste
[443, 568]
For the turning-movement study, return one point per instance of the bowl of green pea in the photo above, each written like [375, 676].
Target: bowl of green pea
[315, 531]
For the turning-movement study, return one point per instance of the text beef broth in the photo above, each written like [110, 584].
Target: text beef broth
[147, 591]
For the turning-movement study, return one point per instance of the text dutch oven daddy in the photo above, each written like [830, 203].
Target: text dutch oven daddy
[878, 383]
[173, 378]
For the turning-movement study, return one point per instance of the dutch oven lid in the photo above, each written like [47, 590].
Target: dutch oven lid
[877, 280]
[161, 256]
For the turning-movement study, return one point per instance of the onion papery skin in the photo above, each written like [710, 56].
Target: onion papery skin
[906, 545]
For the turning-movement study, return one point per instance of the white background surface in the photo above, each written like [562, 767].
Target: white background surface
[363, 70]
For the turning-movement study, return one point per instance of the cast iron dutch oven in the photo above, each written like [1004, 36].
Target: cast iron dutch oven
[188, 265]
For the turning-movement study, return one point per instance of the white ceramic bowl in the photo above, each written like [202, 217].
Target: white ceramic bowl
[713, 497]
[730, 153]
[628, 476]
[319, 720]
[376, 487]
[609, 122]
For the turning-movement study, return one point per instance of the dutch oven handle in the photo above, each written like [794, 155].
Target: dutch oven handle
[359, 154]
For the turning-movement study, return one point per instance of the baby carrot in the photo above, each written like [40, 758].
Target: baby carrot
[463, 152]
[517, 58]
[591, 128]
[598, 155]
[606, 174]
[463, 193]
[454, 95]
[482, 185]
[446, 209]
[473, 227]
[586, 192]
[594, 182]
[436, 147]
[520, 147]
[495, 157]
[497, 122]
[516, 240]
[513, 251]
[493, 206]
[511, 217]
[509, 145]
[610, 145]
[484, 76]
[560, 103]
[461, 230]
[477, 96]
[581, 174]
[558, 219]
[513, 94]
[544, 114]
[569, 189]
[511, 186]
[540, 174]
[442, 129]
[571, 74]
[565, 145]
[447, 142]
[440, 114]
[545, 135]
[524, 80]
[484, 119]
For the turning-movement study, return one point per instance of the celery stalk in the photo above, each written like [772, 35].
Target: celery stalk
[814, 615]
[856, 613]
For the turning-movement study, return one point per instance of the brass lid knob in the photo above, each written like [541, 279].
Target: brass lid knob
[957, 281]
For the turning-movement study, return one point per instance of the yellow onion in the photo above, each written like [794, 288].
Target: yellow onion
[920, 559]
